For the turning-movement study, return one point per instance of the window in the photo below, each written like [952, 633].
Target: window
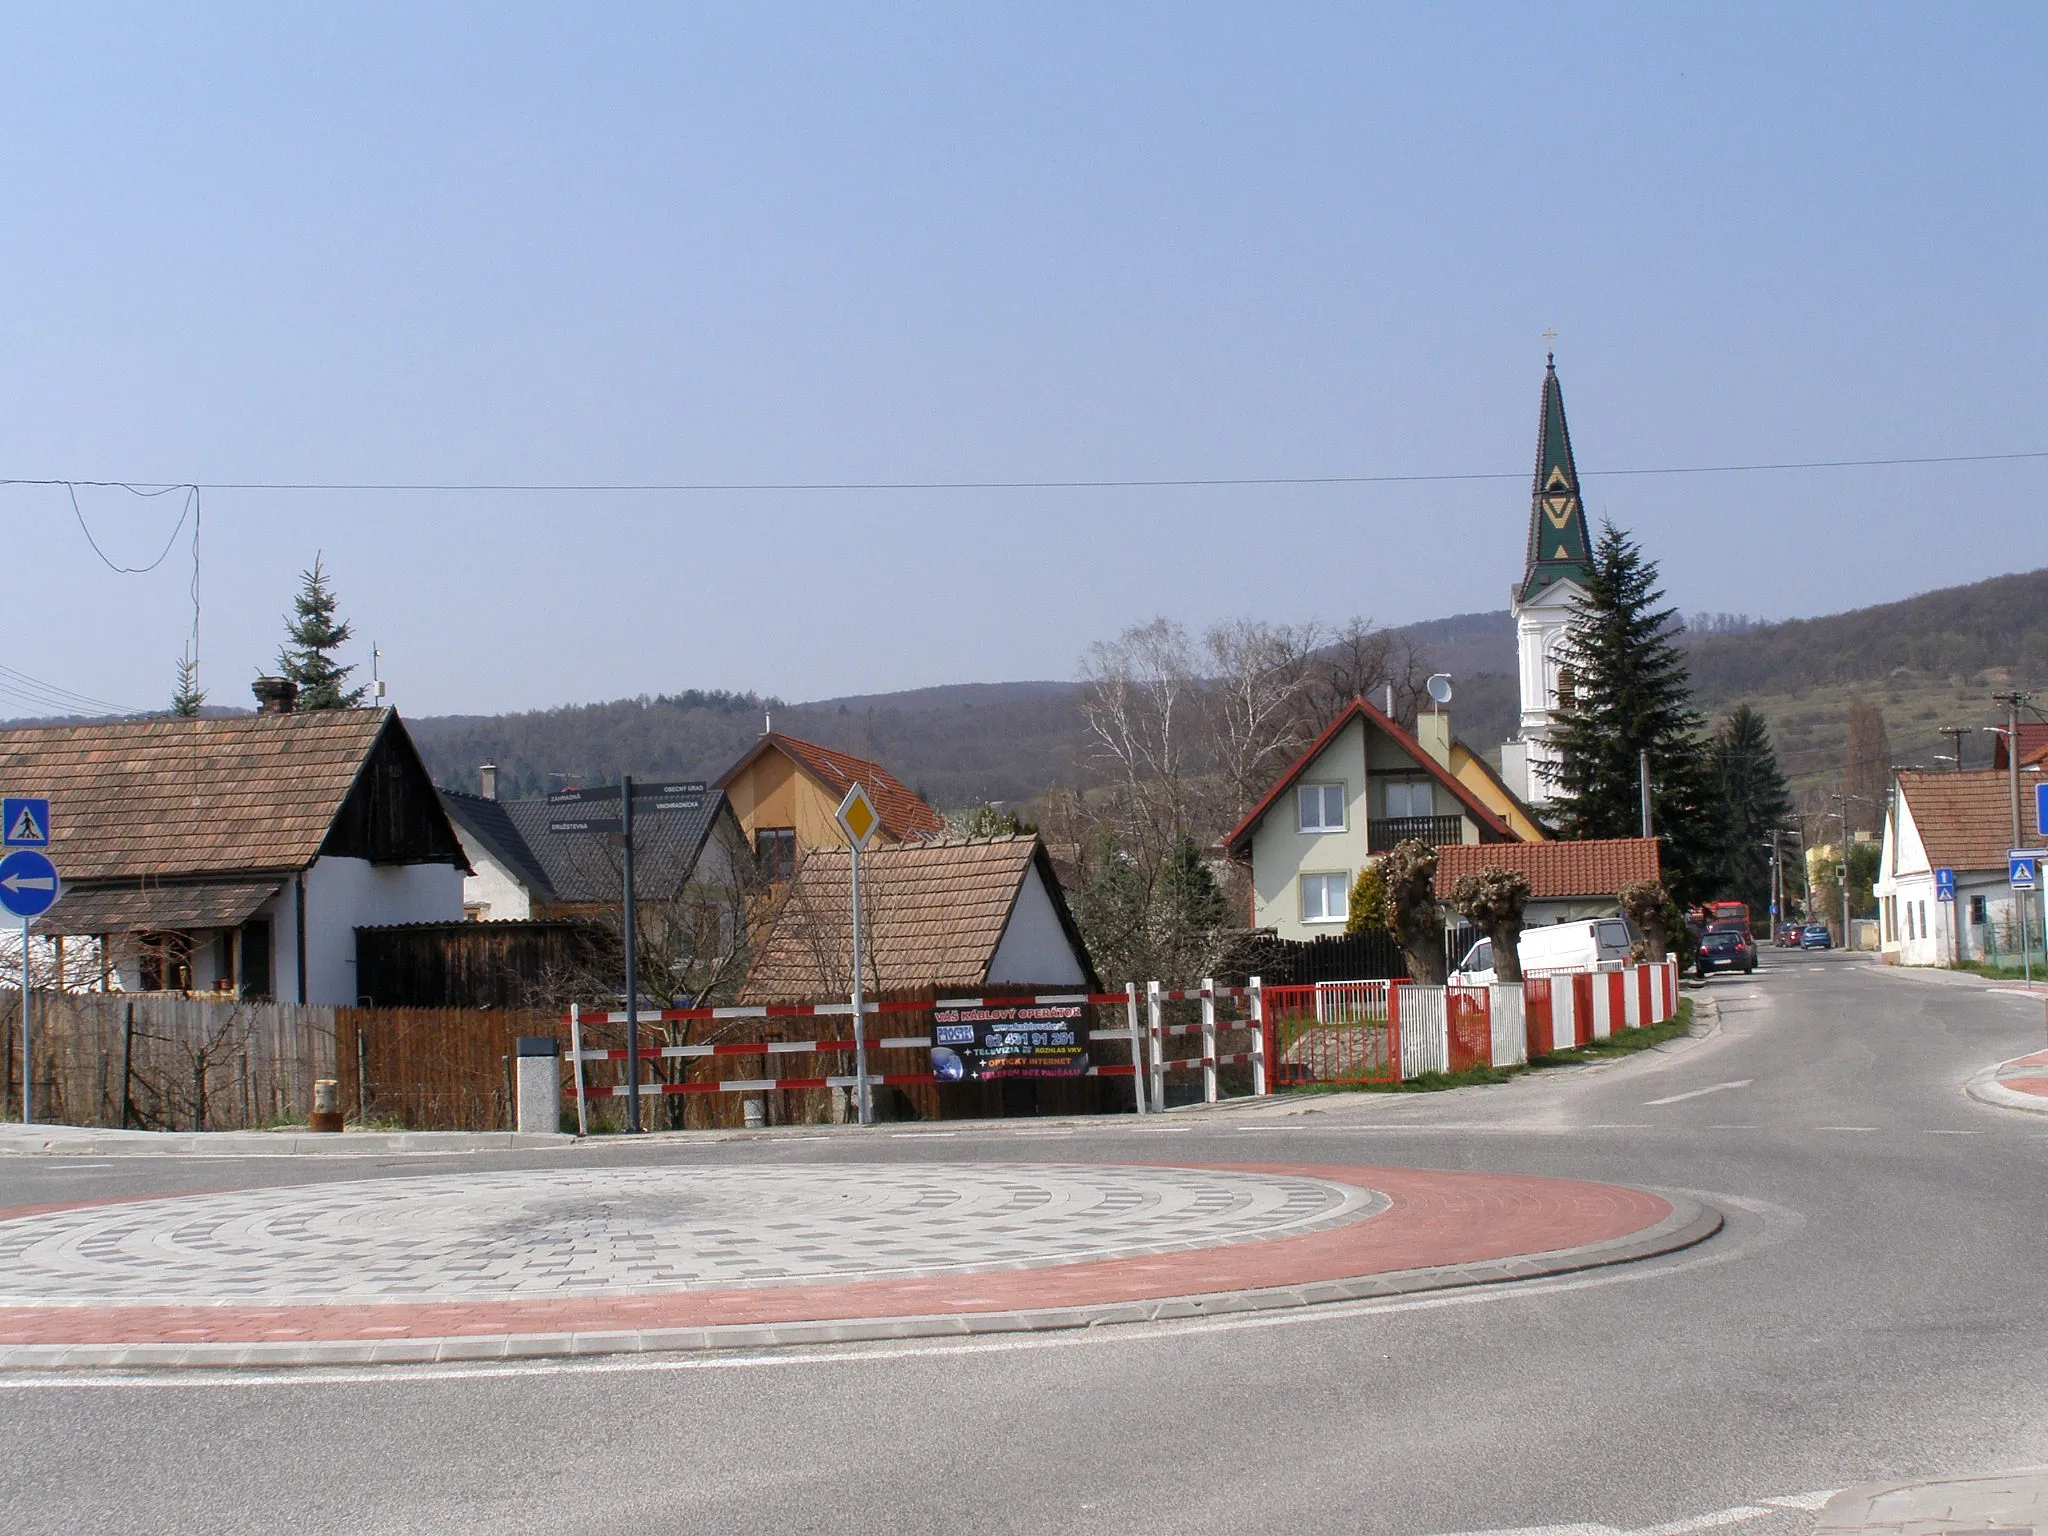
[1978, 914]
[1925, 933]
[775, 849]
[1325, 898]
[1322, 807]
[1408, 798]
[1567, 689]
[1909, 920]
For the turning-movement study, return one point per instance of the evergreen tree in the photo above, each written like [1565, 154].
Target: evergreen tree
[1630, 693]
[314, 637]
[1754, 804]
[189, 696]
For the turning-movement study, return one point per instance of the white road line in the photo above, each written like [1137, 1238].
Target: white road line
[1698, 1093]
[1713, 1520]
[1845, 1127]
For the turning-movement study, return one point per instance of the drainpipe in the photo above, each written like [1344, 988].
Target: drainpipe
[299, 928]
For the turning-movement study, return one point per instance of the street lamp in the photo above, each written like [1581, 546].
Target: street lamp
[1843, 817]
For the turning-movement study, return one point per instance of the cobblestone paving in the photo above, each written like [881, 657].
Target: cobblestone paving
[505, 1236]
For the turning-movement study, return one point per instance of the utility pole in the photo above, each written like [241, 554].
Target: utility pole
[1643, 767]
[2021, 899]
[1955, 733]
[632, 963]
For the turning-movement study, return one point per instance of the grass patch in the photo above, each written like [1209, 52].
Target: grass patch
[1627, 1043]
[2002, 972]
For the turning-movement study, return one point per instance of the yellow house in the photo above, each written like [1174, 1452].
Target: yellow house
[786, 794]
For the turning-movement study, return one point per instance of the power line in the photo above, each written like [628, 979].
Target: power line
[1183, 482]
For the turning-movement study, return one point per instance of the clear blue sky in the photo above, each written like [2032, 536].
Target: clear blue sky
[744, 244]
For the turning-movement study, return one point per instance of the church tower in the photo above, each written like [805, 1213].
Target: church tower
[1554, 577]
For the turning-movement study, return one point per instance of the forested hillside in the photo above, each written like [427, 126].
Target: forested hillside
[1928, 661]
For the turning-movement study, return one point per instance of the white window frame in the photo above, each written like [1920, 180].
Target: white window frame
[1322, 789]
[1408, 786]
[1323, 879]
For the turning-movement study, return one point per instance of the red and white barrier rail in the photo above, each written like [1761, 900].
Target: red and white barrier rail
[1211, 1061]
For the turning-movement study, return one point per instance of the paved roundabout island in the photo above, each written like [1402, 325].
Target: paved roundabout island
[598, 1260]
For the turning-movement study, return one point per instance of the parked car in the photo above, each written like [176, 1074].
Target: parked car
[1815, 936]
[1726, 949]
[1596, 944]
[1788, 935]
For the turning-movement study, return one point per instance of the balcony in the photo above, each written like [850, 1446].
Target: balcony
[1381, 834]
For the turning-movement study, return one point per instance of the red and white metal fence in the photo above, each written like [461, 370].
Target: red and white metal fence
[1294, 1036]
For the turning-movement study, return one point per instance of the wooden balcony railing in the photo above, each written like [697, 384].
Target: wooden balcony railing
[1382, 833]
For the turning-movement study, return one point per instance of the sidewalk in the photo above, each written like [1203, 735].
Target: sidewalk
[2000, 1504]
[2021, 1083]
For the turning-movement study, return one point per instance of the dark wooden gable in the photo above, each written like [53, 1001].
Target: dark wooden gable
[392, 814]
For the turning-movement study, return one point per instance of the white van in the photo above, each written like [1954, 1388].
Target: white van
[1598, 944]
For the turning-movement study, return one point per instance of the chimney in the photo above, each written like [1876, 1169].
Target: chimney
[487, 781]
[1433, 730]
[275, 695]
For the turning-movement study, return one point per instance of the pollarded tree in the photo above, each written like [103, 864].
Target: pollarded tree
[1631, 694]
[1493, 901]
[1754, 805]
[1414, 917]
[314, 636]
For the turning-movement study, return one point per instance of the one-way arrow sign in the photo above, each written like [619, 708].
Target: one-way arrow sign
[28, 883]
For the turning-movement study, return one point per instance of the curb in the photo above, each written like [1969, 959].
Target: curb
[1992, 1503]
[1691, 1222]
[1985, 1088]
[55, 1141]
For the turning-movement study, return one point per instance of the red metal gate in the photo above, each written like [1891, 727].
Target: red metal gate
[1334, 1032]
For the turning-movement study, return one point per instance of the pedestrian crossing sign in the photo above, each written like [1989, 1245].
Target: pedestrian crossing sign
[24, 822]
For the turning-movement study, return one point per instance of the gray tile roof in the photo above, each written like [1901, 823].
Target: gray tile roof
[576, 868]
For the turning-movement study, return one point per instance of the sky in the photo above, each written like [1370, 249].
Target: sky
[757, 245]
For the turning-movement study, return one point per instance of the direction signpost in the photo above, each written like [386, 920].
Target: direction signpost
[29, 887]
[858, 819]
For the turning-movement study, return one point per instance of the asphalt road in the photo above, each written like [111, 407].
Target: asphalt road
[1871, 1311]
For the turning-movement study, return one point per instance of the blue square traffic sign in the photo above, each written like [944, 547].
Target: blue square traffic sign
[1944, 885]
[24, 821]
[2023, 869]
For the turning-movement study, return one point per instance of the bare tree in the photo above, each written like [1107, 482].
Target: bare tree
[1259, 719]
[1142, 704]
[1417, 921]
[1359, 661]
[1494, 901]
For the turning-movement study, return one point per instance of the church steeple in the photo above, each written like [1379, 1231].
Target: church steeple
[1558, 545]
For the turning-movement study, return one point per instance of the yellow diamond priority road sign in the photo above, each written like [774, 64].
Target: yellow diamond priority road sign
[858, 817]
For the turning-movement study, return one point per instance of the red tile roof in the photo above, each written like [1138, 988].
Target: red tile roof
[1965, 819]
[904, 816]
[933, 915]
[1557, 871]
[1238, 843]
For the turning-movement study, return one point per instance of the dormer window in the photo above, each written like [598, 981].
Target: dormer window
[1321, 807]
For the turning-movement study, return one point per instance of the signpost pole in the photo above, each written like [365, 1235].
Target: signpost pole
[863, 1110]
[632, 967]
[28, 1058]
[576, 1050]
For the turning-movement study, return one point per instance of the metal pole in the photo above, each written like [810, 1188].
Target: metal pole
[632, 964]
[1644, 769]
[862, 1109]
[28, 1058]
[1208, 1040]
[576, 1050]
[1137, 1044]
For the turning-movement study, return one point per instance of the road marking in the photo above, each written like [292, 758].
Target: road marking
[1735, 1127]
[1713, 1520]
[1955, 1133]
[1845, 1127]
[1698, 1093]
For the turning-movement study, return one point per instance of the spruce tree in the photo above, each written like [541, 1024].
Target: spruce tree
[1630, 693]
[1754, 804]
[313, 637]
[189, 696]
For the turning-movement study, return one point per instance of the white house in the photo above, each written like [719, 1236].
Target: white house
[1362, 786]
[1554, 577]
[238, 855]
[1960, 822]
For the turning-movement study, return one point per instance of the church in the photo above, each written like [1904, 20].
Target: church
[1554, 578]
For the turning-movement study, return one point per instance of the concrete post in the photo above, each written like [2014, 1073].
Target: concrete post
[540, 1085]
[1208, 1040]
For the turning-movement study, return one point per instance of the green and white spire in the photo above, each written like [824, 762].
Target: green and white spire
[1558, 543]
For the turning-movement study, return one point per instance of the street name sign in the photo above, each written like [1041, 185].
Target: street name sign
[25, 821]
[28, 883]
[2022, 869]
[1944, 885]
[590, 824]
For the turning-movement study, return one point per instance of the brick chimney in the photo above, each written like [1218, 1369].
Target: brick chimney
[275, 695]
[487, 781]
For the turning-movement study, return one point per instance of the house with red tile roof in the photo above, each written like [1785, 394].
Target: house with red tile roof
[1569, 881]
[786, 793]
[1961, 822]
[1362, 786]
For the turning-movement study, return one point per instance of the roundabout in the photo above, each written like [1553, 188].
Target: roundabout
[602, 1260]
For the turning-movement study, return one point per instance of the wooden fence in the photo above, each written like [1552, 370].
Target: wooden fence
[431, 1069]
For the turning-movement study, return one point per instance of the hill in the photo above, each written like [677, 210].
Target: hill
[1925, 662]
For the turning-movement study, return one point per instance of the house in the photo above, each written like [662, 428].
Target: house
[1960, 822]
[1569, 881]
[1433, 730]
[238, 855]
[1361, 787]
[1555, 578]
[2033, 746]
[525, 872]
[786, 794]
[952, 915]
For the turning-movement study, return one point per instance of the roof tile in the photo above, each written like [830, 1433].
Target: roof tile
[1589, 867]
[1965, 819]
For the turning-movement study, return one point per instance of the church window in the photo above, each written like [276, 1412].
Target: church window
[1567, 687]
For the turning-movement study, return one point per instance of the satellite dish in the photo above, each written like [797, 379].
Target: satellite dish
[1440, 688]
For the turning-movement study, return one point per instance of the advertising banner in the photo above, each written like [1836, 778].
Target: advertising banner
[1008, 1041]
